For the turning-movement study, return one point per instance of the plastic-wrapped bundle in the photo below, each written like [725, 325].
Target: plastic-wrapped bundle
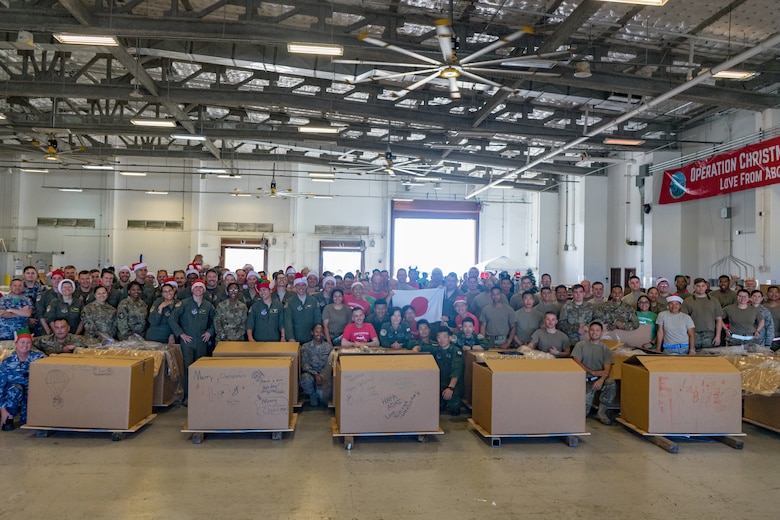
[736, 350]
[760, 374]
[529, 353]
[481, 357]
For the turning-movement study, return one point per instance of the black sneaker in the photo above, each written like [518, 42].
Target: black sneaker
[454, 413]
[9, 425]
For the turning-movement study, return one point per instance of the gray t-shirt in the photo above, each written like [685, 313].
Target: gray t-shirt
[703, 311]
[743, 322]
[544, 341]
[498, 320]
[527, 324]
[593, 356]
[675, 327]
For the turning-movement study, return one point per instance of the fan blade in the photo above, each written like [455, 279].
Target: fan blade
[415, 86]
[497, 44]
[513, 72]
[445, 35]
[379, 74]
[379, 43]
[454, 89]
[410, 172]
[381, 63]
[536, 60]
[486, 81]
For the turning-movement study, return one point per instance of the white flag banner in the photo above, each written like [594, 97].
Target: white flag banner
[427, 303]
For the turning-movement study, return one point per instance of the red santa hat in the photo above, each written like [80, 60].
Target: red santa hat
[139, 265]
[290, 270]
[299, 279]
[192, 269]
[198, 283]
[171, 282]
[123, 268]
[57, 272]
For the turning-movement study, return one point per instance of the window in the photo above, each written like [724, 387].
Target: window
[341, 256]
[430, 234]
[236, 253]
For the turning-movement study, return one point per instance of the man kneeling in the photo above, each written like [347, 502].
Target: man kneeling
[596, 359]
[14, 380]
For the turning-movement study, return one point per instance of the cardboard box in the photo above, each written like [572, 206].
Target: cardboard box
[529, 396]
[263, 349]
[680, 394]
[632, 338]
[763, 409]
[470, 357]
[387, 394]
[240, 393]
[70, 391]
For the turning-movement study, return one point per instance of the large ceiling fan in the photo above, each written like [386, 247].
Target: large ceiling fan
[450, 68]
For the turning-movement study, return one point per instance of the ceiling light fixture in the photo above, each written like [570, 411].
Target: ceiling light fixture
[317, 179]
[154, 122]
[734, 74]
[504, 186]
[25, 40]
[323, 197]
[72, 190]
[657, 3]
[582, 70]
[624, 142]
[403, 200]
[33, 170]
[188, 137]
[322, 175]
[2, 117]
[155, 192]
[97, 167]
[212, 170]
[133, 174]
[323, 49]
[87, 39]
[228, 176]
[52, 157]
[241, 194]
[312, 129]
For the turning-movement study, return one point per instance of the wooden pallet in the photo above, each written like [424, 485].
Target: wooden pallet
[199, 435]
[116, 435]
[663, 441]
[571, 439]
[349, 438]
[761, 425]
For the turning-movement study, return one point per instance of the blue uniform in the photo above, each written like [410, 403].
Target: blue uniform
[10, 325]
[14, 380]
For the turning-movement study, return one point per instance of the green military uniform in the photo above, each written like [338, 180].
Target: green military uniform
[611, 312]
[58, 309]
[85, 297]
[250, 296]
[230, 321]
[322, 300]
[159, 330]
[49, 344]
[131, 318]
[194, 320]
[116, 296]
[213, 295]
[42, 302]
[450, 361]
[266, 321]
[403, 335]
[572, 317]
[99, 319]
[300, 317]
[476, 340]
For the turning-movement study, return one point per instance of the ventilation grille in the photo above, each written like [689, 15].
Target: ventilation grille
[245, 227]
[341, 230]
[67, 222]
[155, 224]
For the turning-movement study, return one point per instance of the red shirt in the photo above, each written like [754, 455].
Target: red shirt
[459, 321]
[363, 334]
[354, 302]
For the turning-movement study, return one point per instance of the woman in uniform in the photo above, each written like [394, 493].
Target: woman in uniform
[98, 317]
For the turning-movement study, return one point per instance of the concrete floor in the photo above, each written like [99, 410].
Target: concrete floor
[159, 473]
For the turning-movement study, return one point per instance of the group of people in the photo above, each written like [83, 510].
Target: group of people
[199, 306]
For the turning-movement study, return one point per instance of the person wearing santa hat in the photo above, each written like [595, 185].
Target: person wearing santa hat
[280, 290]
[290, 272]
[45, 298]
[251, 293]
[141, 271]
[301, 312]
[64, 307]
[313, 281]
[14, 380]
[192, 322]
[265, 321]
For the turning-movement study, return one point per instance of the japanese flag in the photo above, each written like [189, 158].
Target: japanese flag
[427, 303]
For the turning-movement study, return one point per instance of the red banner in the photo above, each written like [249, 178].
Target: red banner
[743, 169]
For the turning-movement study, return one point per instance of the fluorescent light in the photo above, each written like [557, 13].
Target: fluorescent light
[315, 48]
[72, 190]
[228, 176]
[625, 142]
[734, 74]
[657, 3]
[324, 197]
[155, 192]
[2, 117]
[34, 170]
[154, 122]
[432, 179]
[133, 174]
[503, 186]
[212, 170]
[97, 167]
[87, 39]
[322, 175]
[52, 157]
[321, 180]
[188, 137]
[403, 200]
[241, 194]
[312, 129]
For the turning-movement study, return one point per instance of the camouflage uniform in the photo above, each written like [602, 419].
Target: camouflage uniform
[611, 312]
[99, 319]
[159, 330]
[49, 344]
[450, 361]
[58, 309]
[572, 317]
[266, 321]
[14, 380]
[230, 321]
[131, 318]
[194, 320]
[10, 325]
[314, 361]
